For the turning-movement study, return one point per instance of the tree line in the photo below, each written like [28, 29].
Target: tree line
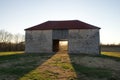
[11, 42]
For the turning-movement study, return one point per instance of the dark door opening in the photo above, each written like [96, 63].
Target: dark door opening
[60, 45]
[55, 45]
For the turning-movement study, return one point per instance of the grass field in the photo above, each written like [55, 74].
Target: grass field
[114, 54]
[59, 66]
[11, 53]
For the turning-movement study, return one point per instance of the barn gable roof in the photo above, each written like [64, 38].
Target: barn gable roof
[68, 24]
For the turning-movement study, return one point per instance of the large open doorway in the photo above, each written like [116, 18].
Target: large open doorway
[60, 45]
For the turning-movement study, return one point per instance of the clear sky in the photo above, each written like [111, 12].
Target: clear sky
[16, 15]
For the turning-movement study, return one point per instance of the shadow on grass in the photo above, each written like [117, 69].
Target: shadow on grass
[15, 66]
[48, 67]
[86, 72]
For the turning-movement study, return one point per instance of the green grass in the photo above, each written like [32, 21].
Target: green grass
[11, 53]
[93, 72]
[14, 71]
[113, 54]
[66, 66]
[110, 55]
[18, 64]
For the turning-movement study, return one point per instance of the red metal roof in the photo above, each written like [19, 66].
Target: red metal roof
[69, 24]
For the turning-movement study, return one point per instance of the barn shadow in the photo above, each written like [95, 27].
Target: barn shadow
[58, 66]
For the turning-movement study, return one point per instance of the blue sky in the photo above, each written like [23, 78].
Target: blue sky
[16, 15]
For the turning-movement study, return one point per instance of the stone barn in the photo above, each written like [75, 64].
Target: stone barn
[44, 38]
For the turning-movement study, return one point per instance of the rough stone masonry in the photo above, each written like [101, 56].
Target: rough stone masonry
[44, 38]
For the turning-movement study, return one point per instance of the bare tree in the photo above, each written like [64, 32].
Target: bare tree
[19, 38]
[10, 42]
[2, 35]
[5, 36]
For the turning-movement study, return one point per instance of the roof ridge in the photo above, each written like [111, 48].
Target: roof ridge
[62, 20]
[63, 24]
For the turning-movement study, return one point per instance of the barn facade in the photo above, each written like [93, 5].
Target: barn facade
[45, 37]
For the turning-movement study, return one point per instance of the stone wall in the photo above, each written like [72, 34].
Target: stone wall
[79, 41]
[84, 41]
[38, 41]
